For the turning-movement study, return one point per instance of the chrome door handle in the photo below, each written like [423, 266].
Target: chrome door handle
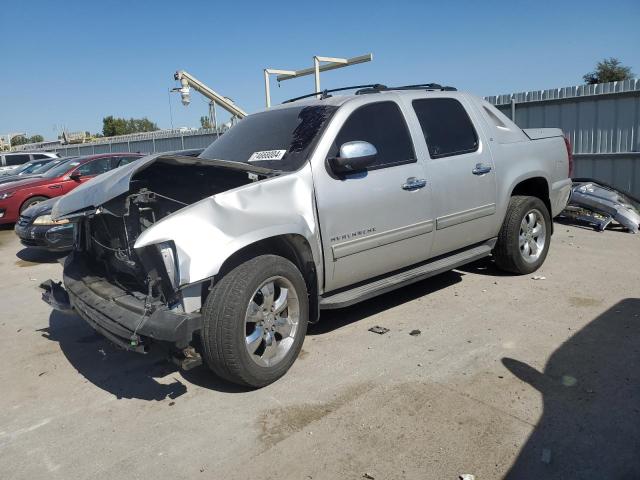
[414, 183]
[481, 169]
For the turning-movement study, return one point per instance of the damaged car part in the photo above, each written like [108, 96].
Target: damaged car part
[598, 204]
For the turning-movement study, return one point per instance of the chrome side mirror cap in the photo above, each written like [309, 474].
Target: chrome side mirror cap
[354, 156]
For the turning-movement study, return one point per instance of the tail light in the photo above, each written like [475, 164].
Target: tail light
[567, 143]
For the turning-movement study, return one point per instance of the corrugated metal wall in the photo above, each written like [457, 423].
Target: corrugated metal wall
[602, 121]
[153, 145]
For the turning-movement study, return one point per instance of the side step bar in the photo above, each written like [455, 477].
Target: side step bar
[405, 277]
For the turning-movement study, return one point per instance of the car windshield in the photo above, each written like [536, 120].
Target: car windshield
[30, 167]
[49, 165]
[61, 168]
[278, 139]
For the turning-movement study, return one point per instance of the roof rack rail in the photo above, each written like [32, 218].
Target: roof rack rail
[376, 88]
[325, 93]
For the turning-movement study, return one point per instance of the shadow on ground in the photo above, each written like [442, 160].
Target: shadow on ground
[334, 319]
[122, 373]
[36, 255]
[131, 375]
[590, 427]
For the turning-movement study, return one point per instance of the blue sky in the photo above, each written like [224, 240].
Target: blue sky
[71, 63]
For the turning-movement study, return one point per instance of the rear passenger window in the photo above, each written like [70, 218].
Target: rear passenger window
[446, 127]
[12, 160]
[382, 125]
[39, 156]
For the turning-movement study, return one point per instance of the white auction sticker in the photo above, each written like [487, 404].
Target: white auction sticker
[266, 155]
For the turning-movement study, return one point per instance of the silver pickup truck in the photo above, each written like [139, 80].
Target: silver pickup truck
[316, 204]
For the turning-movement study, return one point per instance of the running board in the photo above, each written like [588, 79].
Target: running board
[405, 277]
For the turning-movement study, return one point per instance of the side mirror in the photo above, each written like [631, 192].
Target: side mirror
[75, 176]
[354, 156]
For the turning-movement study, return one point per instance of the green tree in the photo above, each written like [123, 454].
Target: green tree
[19, 140]
[36, 139]
[112, 126]
[608, 70]
[205, 122]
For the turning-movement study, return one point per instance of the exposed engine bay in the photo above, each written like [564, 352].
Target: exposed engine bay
[108, 236]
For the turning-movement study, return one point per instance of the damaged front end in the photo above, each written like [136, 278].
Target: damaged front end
[136, 296]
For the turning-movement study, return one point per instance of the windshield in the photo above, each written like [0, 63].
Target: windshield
[49, 165]
[61, 168]
[277, 139]
[30, 167]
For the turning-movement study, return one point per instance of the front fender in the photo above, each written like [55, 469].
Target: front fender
[210, 231]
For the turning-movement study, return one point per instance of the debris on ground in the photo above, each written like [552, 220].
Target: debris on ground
[538, 277]
[368, 476]
[598, 204]
[467, 476]
[379, 330]
[415, 333]
[546, 455]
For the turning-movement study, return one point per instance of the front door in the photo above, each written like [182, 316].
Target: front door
[379, 220]
[461, 172]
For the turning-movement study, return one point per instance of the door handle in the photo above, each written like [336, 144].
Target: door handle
[414, 183]
[53, 187]
[481, 169]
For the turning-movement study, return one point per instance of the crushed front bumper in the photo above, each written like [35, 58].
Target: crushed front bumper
[120, 316]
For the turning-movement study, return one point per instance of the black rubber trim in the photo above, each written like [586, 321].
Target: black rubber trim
[120, 313]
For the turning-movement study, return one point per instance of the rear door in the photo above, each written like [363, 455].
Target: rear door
[373, 222]
[461, 171]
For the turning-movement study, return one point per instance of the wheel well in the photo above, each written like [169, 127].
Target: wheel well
[535, 187]
[294, 248]
[27, 199]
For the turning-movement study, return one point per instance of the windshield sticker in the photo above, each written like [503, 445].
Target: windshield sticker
[267, 155]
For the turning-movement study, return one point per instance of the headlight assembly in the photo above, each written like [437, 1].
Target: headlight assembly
[6, 195]
[47, 220]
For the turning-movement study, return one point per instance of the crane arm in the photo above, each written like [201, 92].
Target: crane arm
[189, 81]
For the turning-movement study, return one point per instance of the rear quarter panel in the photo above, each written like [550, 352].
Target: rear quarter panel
[518, 158]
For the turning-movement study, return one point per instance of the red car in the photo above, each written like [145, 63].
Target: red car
[18, 196]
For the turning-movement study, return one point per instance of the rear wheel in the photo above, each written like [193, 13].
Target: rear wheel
[523, 241]
[31, 202]
[255, 320]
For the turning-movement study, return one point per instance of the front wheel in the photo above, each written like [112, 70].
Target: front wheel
[255, 320]
[523, 241]
[31, 202]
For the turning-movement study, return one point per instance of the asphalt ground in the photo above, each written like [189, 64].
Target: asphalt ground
[510, 377]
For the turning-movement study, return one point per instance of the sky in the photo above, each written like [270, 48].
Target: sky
[69, 64]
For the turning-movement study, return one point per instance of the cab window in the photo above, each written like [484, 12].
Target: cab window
[382, 125]
[446, 126]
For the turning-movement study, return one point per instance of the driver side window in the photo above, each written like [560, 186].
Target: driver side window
[382, 125]
[96, 167]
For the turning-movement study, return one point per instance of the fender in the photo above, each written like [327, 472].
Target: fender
[232, 220]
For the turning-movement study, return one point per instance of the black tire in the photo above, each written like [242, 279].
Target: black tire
[507, 253]
[31, 201]
[223, 331]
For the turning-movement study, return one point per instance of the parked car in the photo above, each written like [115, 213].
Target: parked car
[37, 229]
[315, 204]
[13, 160]
[39, 172]
[17, 196]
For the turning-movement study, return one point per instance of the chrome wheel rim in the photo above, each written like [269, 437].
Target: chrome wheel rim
[271, 321]
[532, 237]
